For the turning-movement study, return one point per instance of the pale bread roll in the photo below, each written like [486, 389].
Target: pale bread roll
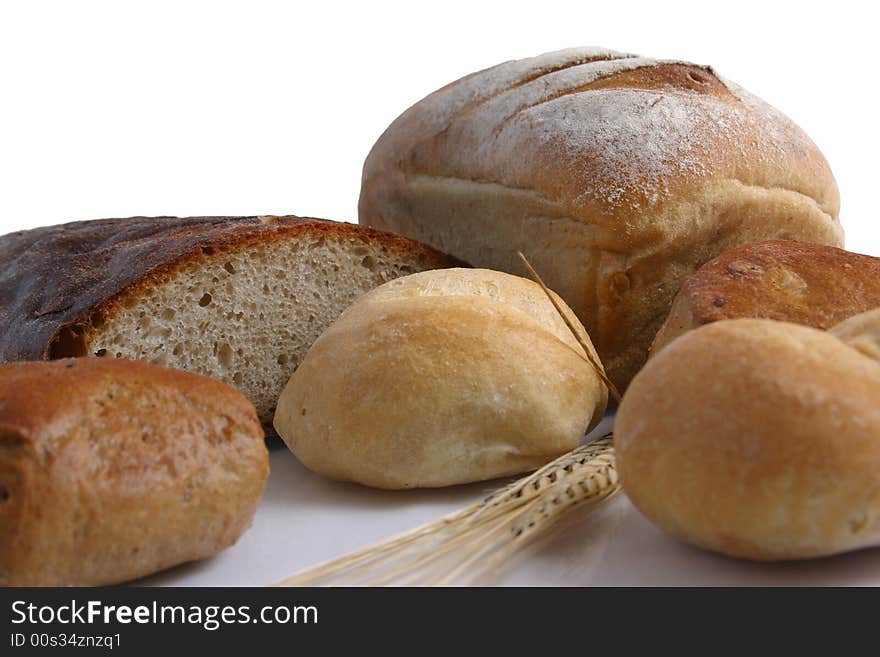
[808, 284]
[861, 332]
[757, 439]
[617, 175]
[441, 378]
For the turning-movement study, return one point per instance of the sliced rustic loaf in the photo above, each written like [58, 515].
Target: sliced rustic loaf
[239, 299]
[807, 284]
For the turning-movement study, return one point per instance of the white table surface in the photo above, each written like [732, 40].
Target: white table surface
[305, 519]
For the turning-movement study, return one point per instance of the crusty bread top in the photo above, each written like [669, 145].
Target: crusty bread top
[807, 284]
[513, 293]
[58, 277]
[34, 410]
[609, 137]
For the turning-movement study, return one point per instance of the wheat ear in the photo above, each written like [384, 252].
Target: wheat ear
[477, 541]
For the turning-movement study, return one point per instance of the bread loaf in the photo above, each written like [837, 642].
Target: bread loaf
[807, 284]
[239, 299]
[758, 439]
[616, 175]
[111, 470]
[441, 378]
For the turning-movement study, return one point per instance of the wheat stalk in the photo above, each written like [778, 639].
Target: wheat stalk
[477, 541]
[600, 371]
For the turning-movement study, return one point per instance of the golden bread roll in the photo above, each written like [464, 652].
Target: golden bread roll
[807, 284]
[757, 439]
[111, 470]
[617, 175]
[441, 378]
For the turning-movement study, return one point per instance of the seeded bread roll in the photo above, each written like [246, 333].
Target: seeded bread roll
[239, 299]
[758, 439]
[441, 378]
[111, 470]
[617, 176]
[807, 284]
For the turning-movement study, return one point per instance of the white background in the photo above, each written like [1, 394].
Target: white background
[125, 108]
[255, 107]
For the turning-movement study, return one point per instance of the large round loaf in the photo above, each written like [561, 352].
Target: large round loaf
[441, 378]
[617, 176]
[111, 470]
[758, 438]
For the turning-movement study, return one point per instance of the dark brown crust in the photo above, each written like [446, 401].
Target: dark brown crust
[58, 281]
[111, 470]
[807, 284]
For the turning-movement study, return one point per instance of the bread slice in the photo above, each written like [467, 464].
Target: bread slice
[239, 299]
[796, 282]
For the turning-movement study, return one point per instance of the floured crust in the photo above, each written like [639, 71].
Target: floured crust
[807, 284]
[57, 283]
[111, 470]
[616, 175]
